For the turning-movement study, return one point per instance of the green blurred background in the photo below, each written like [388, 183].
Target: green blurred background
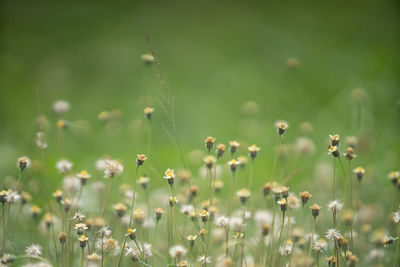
[218, 55]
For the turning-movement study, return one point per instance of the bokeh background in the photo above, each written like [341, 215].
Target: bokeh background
[227, 66]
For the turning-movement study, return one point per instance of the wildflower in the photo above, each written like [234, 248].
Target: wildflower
[120, 209]
[140, 159]
[204, 260]
[209, 160]
[62, 124]
[305, 197]
[387, 240]
[79, 216]
[281, 126]
[209, 143]
[315, 210]
[204, 215]
[277, 192]
[143, 181]
[64, 166]
[394, 176]
[58, 195]
[170, 176]
[220, 150]
[233, 164]
[23, 163]
[7, 259]
[283, 204]
[320, 245]
[104, 116]
[267, 188]
[183, 263]
[80, 228]
[334, 140]
[218, 185]
[82, 241]
[113, 169]
[60, 107]
[71, 183]
[148, 58]
[287, 248]
[177, 251]
[13, 197]
[159, 212]
[265, 228]
[66, 204]
[352, 260]
[191, 239]
[35, 211]
[334, 151]
[133, 253]
[138, 216]
[292, 63]
[262, 217]
[396, 216]
[48, 219]
[293, 202]
[285, 191]
[148, 111]
[332, 234]
[233, 146]
[335, 206]
[222, 221]
[243, 195]
[33, 250]
[83, 176]
[349, 153]
[104, 231]
[253, 151]
[305, 145]
[331, 261]
[62, 237]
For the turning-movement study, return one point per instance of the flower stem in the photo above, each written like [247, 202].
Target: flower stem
[82, 257]
[280, 238]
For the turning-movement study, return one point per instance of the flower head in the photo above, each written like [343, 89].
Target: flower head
[64, 166]
[335, 206]
[113, 168]
[209, 161]
[253, 151]
[170, 176]
[281, 126]
[148, 58]
[233, 146]
[334, 139]
[177, 251]
[60, 107]
[148, 111]
[334, 151]
[23, 163]
[209, 142]
[140, 159]
[333, 234]
[33, 250]
[233, 164]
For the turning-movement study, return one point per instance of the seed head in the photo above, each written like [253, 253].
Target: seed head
[209, 161]
[62, 237]
[113, 168]
[334, 139]
[350, 154]
[243, 195]
[315, 210]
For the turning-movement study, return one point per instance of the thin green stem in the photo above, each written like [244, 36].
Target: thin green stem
[351, 207]
[311, 241]
[82, 257]
[276, 157]
[4, 228]
[396, 262]
[280, 238]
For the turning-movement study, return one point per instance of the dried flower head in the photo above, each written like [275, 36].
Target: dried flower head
[113, 168]
[209, 142]
[220, 150]
[394, 176]
[315, 210]
[283, 204]
[305, 197]
[64, 166]
[320, 245]
[120, 209]
[396, 217]
[267, 189]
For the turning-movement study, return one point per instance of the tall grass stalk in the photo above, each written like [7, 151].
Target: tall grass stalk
[276, 157]
[351, 207]
[280, 238]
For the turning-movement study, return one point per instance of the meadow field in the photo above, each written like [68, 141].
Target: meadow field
[199, 133]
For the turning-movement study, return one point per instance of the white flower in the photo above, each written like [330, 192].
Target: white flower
[204, 260]
[169, 174]
[133, 253]
[177, 251]
[222, 221]
[13, 197]
[104, 231]
[396, 216]
[33, 250]
[335, 206]
[293, 202]
[320, 245]
[332, 234]
[60, 107]
[113, 168]
[101, 164]
[23, 162]
[63, 166]
[286, 250]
